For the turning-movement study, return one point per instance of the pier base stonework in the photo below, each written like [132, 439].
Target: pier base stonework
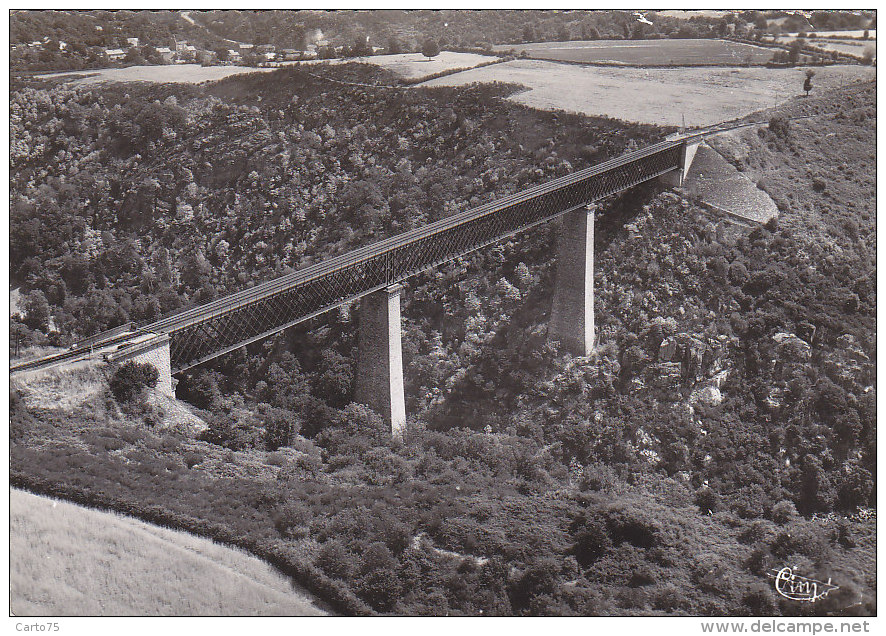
[153, 351]
[572, 313]
[379, 381]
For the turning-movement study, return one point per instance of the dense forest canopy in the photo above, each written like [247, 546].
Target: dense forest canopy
[724, 426]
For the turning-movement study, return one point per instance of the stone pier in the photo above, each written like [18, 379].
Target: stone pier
[572, 313]
[379, 381]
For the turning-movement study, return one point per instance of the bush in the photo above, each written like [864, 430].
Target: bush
[780, 126]
[192, 459]
[628, 525]
[783, 512]
[799, 540]
[280, 426]
[380, 588]
[131, 379]
[335, 560]
[591, 541]
[707, 500]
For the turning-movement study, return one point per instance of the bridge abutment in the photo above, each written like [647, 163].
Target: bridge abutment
[572, 313]
[675, 178]
[379, 381]
[153, 351]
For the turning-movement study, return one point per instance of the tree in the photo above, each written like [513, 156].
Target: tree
[430, 49]
[129, 380]
[36, 311]
[280, 427]
[794, 51]
[134, 56]
[394, 46]
[807, 85]
[528, 33]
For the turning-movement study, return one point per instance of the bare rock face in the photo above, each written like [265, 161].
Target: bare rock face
[666, 375]
[709, 395]
[848, 364]
[792, 348]
[667, 351]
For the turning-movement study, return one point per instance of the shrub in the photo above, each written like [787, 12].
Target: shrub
[783, 512]
[707, 500]
[192, 459]
[131, 378]
[200, 389]
[380, 588]
[628, 525]
[225, 430]
[280, 426]
[335, 559]
[290, 517]
[591, 541]
[759, 600]
[537, 580]
[798, 540]
[756, 532]
[780, 126]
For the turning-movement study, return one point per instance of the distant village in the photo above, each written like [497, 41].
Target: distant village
[183, 52]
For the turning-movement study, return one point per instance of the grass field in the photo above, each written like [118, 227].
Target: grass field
[858, 33]
[66, 560]
[851, 46]
[406, 65]
[416, 65]
[176, 73]
[704, 96]
[646, 52]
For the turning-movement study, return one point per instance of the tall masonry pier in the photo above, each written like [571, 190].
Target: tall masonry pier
[379, 382]
[572, 313]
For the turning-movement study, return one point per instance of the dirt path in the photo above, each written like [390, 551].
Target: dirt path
[68, 560]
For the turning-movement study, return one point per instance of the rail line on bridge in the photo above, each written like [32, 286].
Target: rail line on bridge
[202, 333]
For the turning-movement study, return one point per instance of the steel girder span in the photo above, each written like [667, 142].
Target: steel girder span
[202, 333]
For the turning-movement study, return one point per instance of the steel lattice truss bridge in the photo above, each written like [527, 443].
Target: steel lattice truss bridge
[208, 331]
[201, 333]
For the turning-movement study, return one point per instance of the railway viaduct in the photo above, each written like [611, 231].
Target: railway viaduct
[375, 274]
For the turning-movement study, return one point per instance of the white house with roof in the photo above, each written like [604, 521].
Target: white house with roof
[132, 41]
[115, 54]
[165, 53]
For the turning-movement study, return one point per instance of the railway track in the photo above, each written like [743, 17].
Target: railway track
[364, 258]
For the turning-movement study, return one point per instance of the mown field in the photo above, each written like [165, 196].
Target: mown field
[666, 96]
[410, 66]
[646, 52]
[851, 46]
[66, 560]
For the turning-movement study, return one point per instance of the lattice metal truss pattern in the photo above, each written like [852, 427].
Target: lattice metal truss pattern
[202, 333]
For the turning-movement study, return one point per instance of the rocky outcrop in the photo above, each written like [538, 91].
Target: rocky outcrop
[848, 364]
[791, 348]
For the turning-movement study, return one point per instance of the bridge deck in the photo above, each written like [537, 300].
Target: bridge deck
[207, 331]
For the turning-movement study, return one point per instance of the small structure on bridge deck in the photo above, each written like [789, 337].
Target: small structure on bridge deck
[572, 313]
[153, 350]
[379, 382]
